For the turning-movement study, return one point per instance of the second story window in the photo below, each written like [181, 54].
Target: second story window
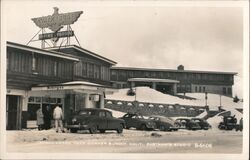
[34, 62]
[55, 68]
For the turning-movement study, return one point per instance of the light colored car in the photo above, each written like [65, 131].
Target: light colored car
[164, 123]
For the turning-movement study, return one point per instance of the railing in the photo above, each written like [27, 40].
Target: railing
[144, 108]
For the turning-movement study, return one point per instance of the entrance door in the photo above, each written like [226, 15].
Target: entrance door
[11, 109]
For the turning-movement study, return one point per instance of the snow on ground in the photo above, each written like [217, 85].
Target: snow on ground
[146, 94]
[130, 141]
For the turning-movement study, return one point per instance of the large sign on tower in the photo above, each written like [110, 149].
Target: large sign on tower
[55, 23]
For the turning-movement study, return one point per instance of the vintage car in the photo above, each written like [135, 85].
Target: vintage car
[138, 121]
[202, 122]
[164, 123]
[186, 123]
[229, 123]
[94, 119]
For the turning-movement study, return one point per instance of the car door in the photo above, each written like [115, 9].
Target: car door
[112, 123]
[135, 121]
[127, 119]
[102, 120]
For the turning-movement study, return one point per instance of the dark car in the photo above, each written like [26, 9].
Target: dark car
[202, 122]
[164, 123]
[94, 119]
[138, 121]
[186, 123]
[229, 123]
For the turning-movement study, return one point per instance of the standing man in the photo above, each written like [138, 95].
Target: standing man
[47, 118]
[39, 119]
[58, 117]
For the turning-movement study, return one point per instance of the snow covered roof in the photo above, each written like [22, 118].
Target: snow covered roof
[85, 51]
[77, 86]
[152, 80]
[171, 70]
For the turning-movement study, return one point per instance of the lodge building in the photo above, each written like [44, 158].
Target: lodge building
[174, 81]
[71, 77]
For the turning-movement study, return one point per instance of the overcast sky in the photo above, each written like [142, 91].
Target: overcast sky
[153, 36]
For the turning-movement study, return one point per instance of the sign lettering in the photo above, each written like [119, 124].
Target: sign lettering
[56, 35]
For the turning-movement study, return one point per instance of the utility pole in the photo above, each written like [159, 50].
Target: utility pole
[220, 100]
[206, 98]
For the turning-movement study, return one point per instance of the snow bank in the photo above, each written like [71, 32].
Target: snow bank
[146, 94]
[214, 121]
[202, 115]
[149, 95]
[116, 114]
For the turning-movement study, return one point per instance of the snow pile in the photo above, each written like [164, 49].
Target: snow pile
[149, 95]
[146, 94]
[202, 115]
[116, 114]
[214, 121]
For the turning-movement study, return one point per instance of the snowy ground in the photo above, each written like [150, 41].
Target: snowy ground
[130, 141]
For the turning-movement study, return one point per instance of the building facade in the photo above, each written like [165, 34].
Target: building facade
[39, 78]
[174, 81]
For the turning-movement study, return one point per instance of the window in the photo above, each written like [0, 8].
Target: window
[224, 90]
[34, 62]
[108, 114]
[55, 68]
[101, 114]
[91, 70]
[200, 89]
[229, 90]
[204, 89]
[196, 89]
[84, 69]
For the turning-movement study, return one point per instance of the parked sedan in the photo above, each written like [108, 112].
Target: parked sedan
[138, 121]
[203, 123]
[94, 119]
[164, 123]
[185, 123]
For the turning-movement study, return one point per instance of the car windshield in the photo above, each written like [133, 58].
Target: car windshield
[86, 113]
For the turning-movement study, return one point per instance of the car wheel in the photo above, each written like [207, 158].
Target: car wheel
[162, 128]
[143, 127]
[73, 130]
[93, 129]
[120, 129]
[102, 130]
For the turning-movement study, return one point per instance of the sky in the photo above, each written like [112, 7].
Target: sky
[150, 35]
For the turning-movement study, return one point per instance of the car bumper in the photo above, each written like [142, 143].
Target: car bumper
[173, 128]
[195, 128]
[77, 126]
